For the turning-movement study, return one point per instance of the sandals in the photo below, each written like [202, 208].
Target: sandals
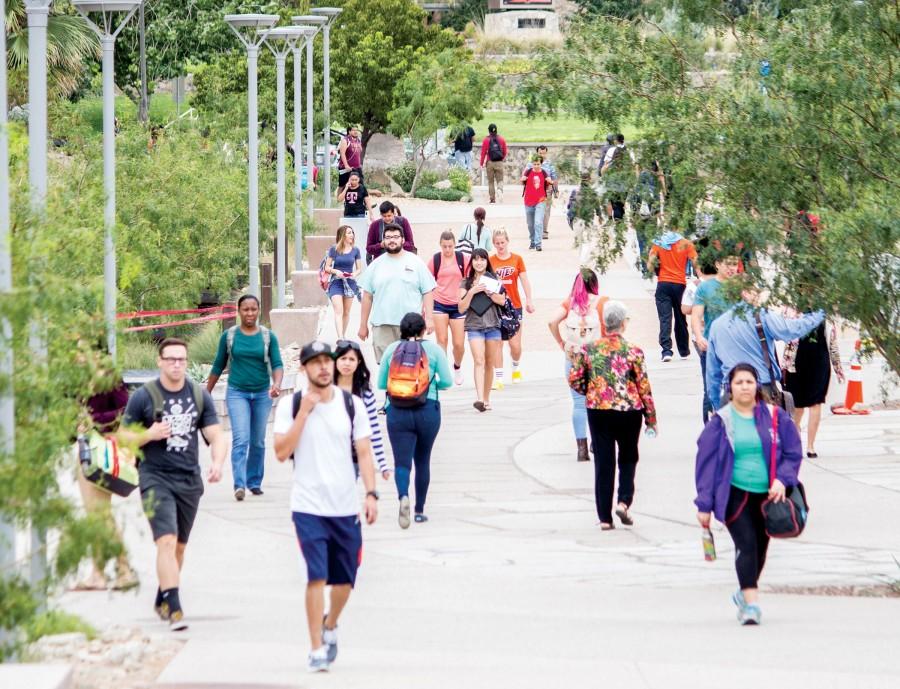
[622, 514]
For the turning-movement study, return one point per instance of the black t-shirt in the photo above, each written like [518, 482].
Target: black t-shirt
[178, 452]
[463, 142]
[355, 202]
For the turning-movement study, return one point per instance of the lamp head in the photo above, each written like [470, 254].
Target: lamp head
[329, 12]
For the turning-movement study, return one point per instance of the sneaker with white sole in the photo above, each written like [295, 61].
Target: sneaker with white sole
[516, 377]
[403, 517]
[177, 622]
[329, 639]
[750, 615]
[457, 376]
[497, 385]
[740, 602]
[666, 358]
[318, 660]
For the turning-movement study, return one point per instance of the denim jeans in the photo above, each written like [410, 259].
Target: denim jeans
[579, 413]
[249, 413]
[534, 216]
[464, 158]
[412, 433]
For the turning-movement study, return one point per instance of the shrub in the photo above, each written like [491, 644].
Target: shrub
[428, 178]
[205, 343]
[460, 180]
[403, 175]
[57, 622]
[439, 194]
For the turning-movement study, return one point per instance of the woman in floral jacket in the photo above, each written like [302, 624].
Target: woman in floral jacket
[611, 375]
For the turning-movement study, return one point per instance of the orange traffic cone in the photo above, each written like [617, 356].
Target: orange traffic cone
[853, 402]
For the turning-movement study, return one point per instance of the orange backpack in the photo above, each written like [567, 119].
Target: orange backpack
[408, 375]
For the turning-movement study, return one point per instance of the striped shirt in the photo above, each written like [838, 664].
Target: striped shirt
[377, 440]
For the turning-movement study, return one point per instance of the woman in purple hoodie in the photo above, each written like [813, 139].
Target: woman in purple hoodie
[732, 477]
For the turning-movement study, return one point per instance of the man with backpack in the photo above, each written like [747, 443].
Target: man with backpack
[552, 189]
[462, 147]
[617, 178]
[393, 285]
[493, 153]
[162, 418]
[535, 182]
[321, 429]
[389, 214]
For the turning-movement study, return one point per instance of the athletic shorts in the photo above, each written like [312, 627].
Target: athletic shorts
[490, 334]
[331, 546]
[170, 502]
[519, 312]
[451, 310]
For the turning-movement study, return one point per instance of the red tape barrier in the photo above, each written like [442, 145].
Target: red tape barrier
[228, 311]
[148, 314]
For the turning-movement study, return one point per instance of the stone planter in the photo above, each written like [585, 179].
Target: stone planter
[307, 290]
[317, 246]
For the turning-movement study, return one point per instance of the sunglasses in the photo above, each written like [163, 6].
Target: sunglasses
[348, 344]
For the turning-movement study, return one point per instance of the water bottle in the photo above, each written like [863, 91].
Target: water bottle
[84, 451]
[650, 432]
[709, 545]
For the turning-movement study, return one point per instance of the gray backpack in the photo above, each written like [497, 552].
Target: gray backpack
[267, 338]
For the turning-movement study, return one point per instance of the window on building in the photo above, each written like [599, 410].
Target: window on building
[532, 23]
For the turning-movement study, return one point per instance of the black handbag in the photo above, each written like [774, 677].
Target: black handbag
[509, 320]
[785, 519]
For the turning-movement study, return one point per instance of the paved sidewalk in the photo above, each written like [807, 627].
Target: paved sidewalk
[512, 584]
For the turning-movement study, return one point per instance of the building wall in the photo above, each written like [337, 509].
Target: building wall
[514, 24]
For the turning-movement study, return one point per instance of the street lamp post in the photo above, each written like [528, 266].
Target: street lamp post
[247, 28]
[38, 12]
[330, 13]
[310, 26]
[107, 31]
[281, 41]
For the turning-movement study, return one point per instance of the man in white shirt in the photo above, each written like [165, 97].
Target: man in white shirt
[321, 436]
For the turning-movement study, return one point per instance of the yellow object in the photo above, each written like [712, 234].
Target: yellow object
[517, 377]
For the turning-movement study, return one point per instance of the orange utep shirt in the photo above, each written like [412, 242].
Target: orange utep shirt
[672, 262]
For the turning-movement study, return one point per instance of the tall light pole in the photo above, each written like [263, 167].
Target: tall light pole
[247, 27]
[281, 41]
[330, 13]
[310, 26]
[38, 12]
[107, 30]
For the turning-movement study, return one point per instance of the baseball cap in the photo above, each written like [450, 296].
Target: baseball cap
[313, 349]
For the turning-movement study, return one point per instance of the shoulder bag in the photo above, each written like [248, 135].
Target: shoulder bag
[785, 519]
[781, 397]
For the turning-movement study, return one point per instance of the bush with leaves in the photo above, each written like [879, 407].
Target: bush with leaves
[460, 180]
[439, 194]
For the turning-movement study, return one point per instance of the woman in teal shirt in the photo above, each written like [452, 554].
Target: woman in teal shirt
[413, 430]
[254, 380]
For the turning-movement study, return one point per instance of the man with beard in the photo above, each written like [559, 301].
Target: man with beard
[394, 284]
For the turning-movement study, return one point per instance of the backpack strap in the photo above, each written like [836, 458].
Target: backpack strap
[351, 412]
[267, 340]
[156, 395]
[295, 403]
[461, 262]
[229, 339]
[436, 264]
[774, 412]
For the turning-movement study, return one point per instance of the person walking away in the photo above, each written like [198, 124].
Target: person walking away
[390, 215]
[708, 304]
[493, 153]
[462, 147]
[350, 150]
[321, 436]
[163, 417]
[578, 321]
[617, 178]
[552, 189]
[448, 267]
[671, 252]
[355, 198]
[604, 149]
[475, 235]
[611, 374]
[352, 375]
[534, 194]
[734, 337]
[733, 479]
[105, 409]
[510, 270]
[413, 412]
[255, 371]
[646, 203]
[479, 296]
[344, 264]
[394, 284]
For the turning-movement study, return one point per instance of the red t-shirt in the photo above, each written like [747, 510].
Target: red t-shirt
[535, 187]
[673, 261]
[508, 271]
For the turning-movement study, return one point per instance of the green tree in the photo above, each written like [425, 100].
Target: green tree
[463, 12]
[800, 117]
[443, 90]
[624, 9]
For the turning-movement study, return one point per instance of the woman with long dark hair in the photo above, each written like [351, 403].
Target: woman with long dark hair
[733, 477]
[479, 296]
[476, 235]
[352, 375]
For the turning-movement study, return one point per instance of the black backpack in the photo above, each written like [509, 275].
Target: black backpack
[351, 412]
[460, 261]
[495, 150]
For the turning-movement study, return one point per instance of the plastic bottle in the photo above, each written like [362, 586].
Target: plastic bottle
[709, 545]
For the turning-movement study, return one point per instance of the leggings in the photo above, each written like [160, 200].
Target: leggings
[610, 428]
[412, 433]
[747, 527]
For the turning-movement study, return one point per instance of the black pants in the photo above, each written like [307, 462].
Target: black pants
[610, 428]
[668, 304]
[745, 523]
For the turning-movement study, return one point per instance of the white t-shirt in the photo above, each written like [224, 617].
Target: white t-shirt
[324, 477]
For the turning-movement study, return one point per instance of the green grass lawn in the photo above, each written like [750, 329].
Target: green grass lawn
[516, 128]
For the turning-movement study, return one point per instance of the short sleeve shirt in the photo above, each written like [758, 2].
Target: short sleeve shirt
[344, 262]
[448, 278]
[673, 261]
[178, 452]
[508, 271]
[355, 202]
[709, 295]
[324, 477]
[396, 286]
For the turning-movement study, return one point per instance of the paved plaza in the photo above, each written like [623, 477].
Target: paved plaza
[512, 583]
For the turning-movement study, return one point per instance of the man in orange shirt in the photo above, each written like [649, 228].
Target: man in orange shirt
[669, 254]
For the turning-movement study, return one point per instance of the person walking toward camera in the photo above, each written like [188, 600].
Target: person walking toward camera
[611, 374]
[329, 424]
[163, 417]
[733, 479]
[448, 267]
[343, 263]
[350, 150]
[552, 187]
[536, 183]
[255, 370]
[510, 270]
[493, 153]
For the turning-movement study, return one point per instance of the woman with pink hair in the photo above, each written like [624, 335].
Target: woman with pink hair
[579, 321]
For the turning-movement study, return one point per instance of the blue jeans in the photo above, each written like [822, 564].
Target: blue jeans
[412, 433]
[534, 216]
[579, 412]
[249, 413]
[707, 405]
[464, 158]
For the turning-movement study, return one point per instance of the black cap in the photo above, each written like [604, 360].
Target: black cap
[313, 349]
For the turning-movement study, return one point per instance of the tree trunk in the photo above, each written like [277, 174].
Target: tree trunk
[419, 166]
[144, 106]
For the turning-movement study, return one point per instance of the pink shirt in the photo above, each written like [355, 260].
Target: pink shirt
[448, 278]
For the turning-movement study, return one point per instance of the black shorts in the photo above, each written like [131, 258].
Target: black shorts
[344, 177]
[170, 502]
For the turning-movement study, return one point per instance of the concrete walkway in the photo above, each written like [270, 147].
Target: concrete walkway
[511, 583]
